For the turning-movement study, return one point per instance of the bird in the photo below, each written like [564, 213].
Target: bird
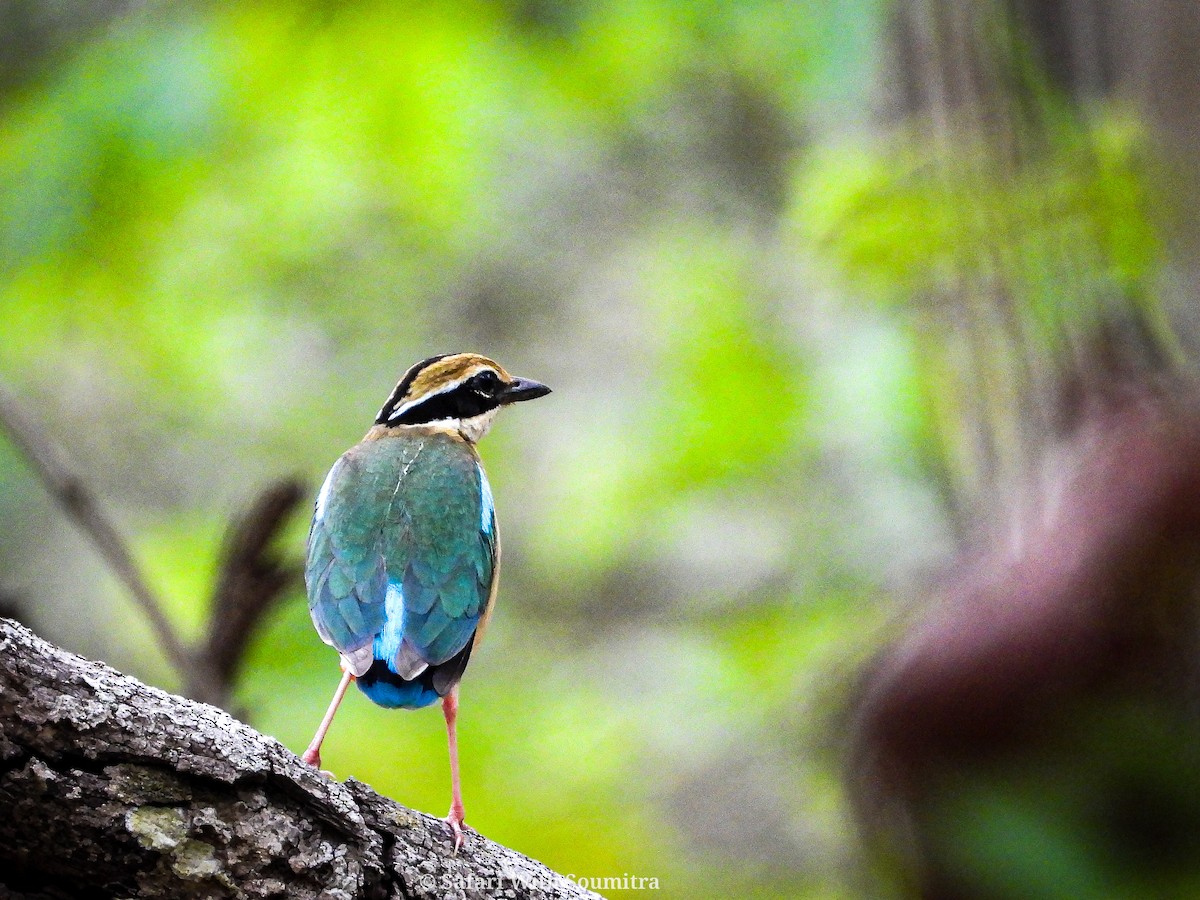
[403, 554]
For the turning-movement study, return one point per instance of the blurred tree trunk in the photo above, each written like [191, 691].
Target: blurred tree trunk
[109, 788]
[1037, 726]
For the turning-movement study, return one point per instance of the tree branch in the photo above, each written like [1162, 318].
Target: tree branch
[74, 496]
[112, 788]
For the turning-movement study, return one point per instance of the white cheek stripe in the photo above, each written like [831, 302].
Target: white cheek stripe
[473, 429]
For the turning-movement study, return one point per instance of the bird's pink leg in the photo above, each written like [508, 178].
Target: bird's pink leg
[456, 818]
[312, 755]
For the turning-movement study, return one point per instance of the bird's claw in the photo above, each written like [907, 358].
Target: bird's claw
[313, 758]
[458, 828]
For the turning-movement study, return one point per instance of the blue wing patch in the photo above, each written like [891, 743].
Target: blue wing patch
[487, 506]
[387, 642]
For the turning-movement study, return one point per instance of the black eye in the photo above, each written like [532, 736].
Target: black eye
[486, 383]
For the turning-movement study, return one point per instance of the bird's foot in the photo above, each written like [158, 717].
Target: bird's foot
[312, 756]
[458, 827]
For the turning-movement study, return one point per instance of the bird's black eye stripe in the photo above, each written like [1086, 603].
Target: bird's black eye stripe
[476, 395]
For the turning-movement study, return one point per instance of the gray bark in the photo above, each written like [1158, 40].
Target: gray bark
[110, 788]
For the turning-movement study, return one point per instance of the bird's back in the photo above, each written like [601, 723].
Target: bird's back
[402, 561]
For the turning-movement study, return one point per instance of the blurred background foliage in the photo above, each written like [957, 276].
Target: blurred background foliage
[226, 229]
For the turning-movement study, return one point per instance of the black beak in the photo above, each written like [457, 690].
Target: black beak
[523, 389]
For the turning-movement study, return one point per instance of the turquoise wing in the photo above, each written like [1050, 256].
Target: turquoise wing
[440, 545]
[346, 571]
[402, 552]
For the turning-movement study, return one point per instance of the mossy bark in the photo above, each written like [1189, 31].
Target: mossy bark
[110, 788]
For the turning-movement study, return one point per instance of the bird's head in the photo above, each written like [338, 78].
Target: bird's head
[462, 391]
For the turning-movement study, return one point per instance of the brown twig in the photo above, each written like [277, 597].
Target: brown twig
[252, 577]
[80, 504]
